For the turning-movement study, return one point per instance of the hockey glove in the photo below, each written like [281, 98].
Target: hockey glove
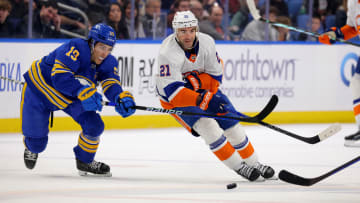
[331, 35]
[211, 102]
[124, 104]
[90, 98]
[193, 81]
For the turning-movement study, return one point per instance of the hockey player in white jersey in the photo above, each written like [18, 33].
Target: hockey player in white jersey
[190, 72]
[350, 30]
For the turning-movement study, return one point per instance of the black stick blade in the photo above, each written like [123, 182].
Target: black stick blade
[289, 177]
[268, 108]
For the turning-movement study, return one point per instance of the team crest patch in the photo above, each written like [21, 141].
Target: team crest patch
[192, 58]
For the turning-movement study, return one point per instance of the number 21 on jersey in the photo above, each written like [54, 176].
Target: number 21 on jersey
[164, 70]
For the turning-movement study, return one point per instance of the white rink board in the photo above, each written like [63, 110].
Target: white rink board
[306, 77]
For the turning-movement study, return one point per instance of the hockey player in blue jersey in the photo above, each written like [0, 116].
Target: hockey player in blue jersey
[66, 80]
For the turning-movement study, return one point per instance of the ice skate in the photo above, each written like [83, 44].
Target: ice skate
[30, 159]
[248, 172]
[265, 171]
[353, 140]
[94, 168]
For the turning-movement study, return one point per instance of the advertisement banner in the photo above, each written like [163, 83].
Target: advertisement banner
[305, 77]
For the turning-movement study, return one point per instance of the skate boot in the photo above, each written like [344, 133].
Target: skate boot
[95, 168]
[353, 140]
[248, 172]
[265, 171]
[30, 159]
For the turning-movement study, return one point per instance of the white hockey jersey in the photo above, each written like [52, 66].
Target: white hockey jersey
[173, 63]
[353, 14]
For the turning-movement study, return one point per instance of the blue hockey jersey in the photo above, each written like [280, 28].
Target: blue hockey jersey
[54, 77]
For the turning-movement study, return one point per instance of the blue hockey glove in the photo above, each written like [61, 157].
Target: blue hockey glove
[90, 98]
[215, 103]
[124, 103]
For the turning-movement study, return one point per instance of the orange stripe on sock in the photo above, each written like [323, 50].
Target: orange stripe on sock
[225, 152]
[247, 151]
[357, 110]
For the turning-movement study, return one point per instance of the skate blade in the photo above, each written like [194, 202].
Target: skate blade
[351, 143]
[272, 178]
[259, 179]
[85, 173]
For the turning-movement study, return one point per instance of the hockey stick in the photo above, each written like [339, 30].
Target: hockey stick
[260, 116]
[255, 119]
[255, 13]
[11, 80]
[331, 130]
[289, 177]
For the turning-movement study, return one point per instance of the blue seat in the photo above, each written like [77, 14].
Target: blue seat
[294, 7]
[303, 21]
[330, 21]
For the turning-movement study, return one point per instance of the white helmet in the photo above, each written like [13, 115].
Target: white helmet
[183, 19]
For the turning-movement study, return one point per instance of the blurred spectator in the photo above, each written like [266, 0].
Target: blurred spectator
[283, 33]
[234, 6]
[197, 9]
[340, 14]
[213, 26]
[240, 19]
[5, 9]
[282, 7]
[255, 30]
[138, 27]
[166, 5]
[315, 27]
[323, 7]
[179, 5]
[96, 11]
[20, 8]
[114, 18]
[46, 21]
[154, 22]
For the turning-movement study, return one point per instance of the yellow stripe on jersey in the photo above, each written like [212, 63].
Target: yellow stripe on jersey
[22, 101]
[58, 68]
[87, 92]
[51, 94]
[106, 84]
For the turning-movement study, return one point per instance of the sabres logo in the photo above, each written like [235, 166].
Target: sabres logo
[112, 34]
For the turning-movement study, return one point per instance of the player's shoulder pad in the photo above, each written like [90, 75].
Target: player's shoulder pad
[205, 38]
[169, 49]
[80, 44]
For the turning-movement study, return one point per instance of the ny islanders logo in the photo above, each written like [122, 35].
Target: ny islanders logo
[348, 67]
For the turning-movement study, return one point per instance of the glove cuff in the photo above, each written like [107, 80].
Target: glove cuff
[206, 97]
[125, 94]
[86, 92]
[339, 34]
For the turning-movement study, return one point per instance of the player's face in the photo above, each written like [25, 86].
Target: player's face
[100, 52]
[186, 36]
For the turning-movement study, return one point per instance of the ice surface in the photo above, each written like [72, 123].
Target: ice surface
[170, 165]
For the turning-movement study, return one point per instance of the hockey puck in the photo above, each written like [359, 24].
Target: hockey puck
[231, 186]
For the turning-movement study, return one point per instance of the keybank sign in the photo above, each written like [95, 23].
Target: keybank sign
[253, 67]
[348, 67]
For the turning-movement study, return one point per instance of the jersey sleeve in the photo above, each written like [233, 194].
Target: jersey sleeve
[67, 62]
[170, 85]
[109, 78]
[350, 29]
[213, 63]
